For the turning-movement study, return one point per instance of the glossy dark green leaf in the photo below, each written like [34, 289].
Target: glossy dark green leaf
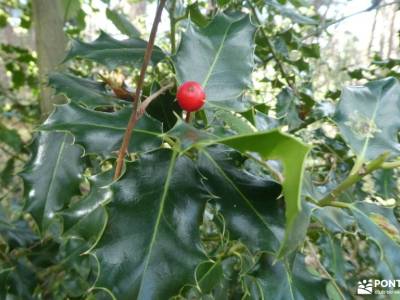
[269, 145]
[151, 245]
[102, 133]
[190, 136]
[82, 90]
[368, 118]
[17, 233]
[122, 23]
[208, 275]
[113, 53]
[284, 280]
[292, 153]
[22, 280]
[87, 218]
[213, 57]
[335, 220]
[52, 176]
[247, 203]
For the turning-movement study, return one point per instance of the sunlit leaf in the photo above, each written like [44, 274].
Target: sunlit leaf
[113, 53]
[214, 57]
[368, 118]
[82, 90]
[122, 23]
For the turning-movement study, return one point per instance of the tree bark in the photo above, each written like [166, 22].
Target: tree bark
[372, 33]
[51, 43]
[392, 31]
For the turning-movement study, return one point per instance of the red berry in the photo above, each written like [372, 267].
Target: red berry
[191, 96]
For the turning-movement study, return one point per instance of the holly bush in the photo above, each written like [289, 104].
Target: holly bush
[251, 197]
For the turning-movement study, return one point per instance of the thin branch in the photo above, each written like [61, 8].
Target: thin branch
[188, 117]
[349, 16]
[271, 47]
[134, 116]
[274, 173]
[391, 165]
[352, 179]
[372, 33]
[152, 97]
[392, 31]
[322, 268]
[172, 22]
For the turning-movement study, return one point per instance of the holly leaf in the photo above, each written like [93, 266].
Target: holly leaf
[333, 258]
[368, 118]
[286, 280]
[122, 23]
[247, 203]
[82, 90]
[270, 145]
[87, 218]
[101, 132]
[113, 53]
[274, 145]
[385, 183]
[381, 226]
[335, 220]
[235, 122]
[190, 136]
[151, 245]
[213, 57]
[52, 176]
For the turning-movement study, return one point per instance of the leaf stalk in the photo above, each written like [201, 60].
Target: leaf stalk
[352, 179]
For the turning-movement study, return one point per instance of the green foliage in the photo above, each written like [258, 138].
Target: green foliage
[113, 53]
[52, 176]
[367, 118]
[123, 24]
[250, 199]
[221, 65]
[101, 132]
[82, 91]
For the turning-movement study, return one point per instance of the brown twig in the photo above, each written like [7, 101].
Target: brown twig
[134, 116]
[188, 116]
[152, 97]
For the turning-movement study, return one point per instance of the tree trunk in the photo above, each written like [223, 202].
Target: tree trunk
[51, 43]
[371, 41]
[392, 31]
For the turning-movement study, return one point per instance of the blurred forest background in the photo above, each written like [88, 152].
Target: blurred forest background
[357, 39]
[356, 33]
